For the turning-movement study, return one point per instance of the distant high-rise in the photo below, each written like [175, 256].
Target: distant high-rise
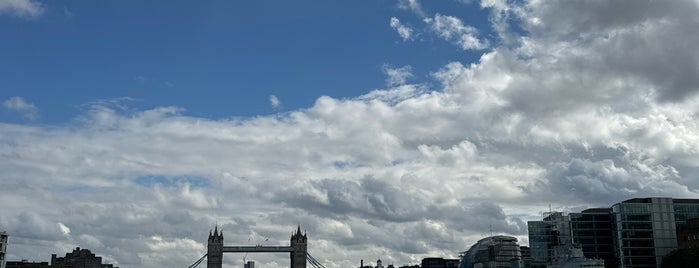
[249, 264]
[592, 231]
[3, 248]
[545, 235]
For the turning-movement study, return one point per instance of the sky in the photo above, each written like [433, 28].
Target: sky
[391, 129]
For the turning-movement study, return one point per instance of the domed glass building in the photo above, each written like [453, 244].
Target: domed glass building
[493, 252]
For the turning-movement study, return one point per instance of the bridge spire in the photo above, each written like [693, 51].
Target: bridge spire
[299, 246]
[215, 249]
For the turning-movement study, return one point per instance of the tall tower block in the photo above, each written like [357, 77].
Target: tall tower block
[299, 248]
[215, 249]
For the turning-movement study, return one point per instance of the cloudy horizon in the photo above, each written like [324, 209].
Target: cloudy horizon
[565, 106]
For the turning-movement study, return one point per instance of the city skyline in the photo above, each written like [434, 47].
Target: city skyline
[391, 129]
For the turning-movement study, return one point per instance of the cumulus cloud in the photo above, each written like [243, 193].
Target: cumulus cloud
[403, 30]
[397, 76]
[28, 110]
[274, 101]
[22, 8]
[412, 5]
[571, 113]
[453, 29]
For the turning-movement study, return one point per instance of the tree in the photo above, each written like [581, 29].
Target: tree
[681, 258]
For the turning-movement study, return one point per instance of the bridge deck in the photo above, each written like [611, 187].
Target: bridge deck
[257, 249]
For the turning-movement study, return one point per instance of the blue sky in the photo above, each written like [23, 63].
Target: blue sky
[216, 59]
[399, 129]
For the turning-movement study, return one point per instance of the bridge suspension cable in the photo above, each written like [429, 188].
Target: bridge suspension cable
[315, 263]
[196, 263]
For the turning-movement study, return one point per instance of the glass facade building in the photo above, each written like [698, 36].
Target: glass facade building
[645, 229]
[545, 235]
[493, 252]
[635, 233]
[592, 231]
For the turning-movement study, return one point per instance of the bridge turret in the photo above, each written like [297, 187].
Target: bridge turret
[299, 246]
[215, 249]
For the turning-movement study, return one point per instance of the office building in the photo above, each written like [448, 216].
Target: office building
[552, 243]
[635, 233]
[592, 232]
[645, 229]
[688, 235]
[545, 235]
[526, 256]
[3, 248]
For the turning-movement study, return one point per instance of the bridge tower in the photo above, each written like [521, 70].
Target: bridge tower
[299, 246]
[215, 249]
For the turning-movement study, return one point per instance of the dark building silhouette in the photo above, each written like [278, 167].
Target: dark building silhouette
[688, 235]
[526, 256]
[79, 258]
[299, 246]
[215, 249]
[3, 248]
[592, 231]
[379, 264]
[26, 264]
[440, 263]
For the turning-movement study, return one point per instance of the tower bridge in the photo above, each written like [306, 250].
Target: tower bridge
[298, 253]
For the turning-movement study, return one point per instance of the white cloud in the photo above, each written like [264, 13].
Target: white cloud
[64, 229]
[397, 76]
[22, 8]
[412, 5]
[453, 29]
[274, 101]
[574, 113]
[403, 30]
[28, 110]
